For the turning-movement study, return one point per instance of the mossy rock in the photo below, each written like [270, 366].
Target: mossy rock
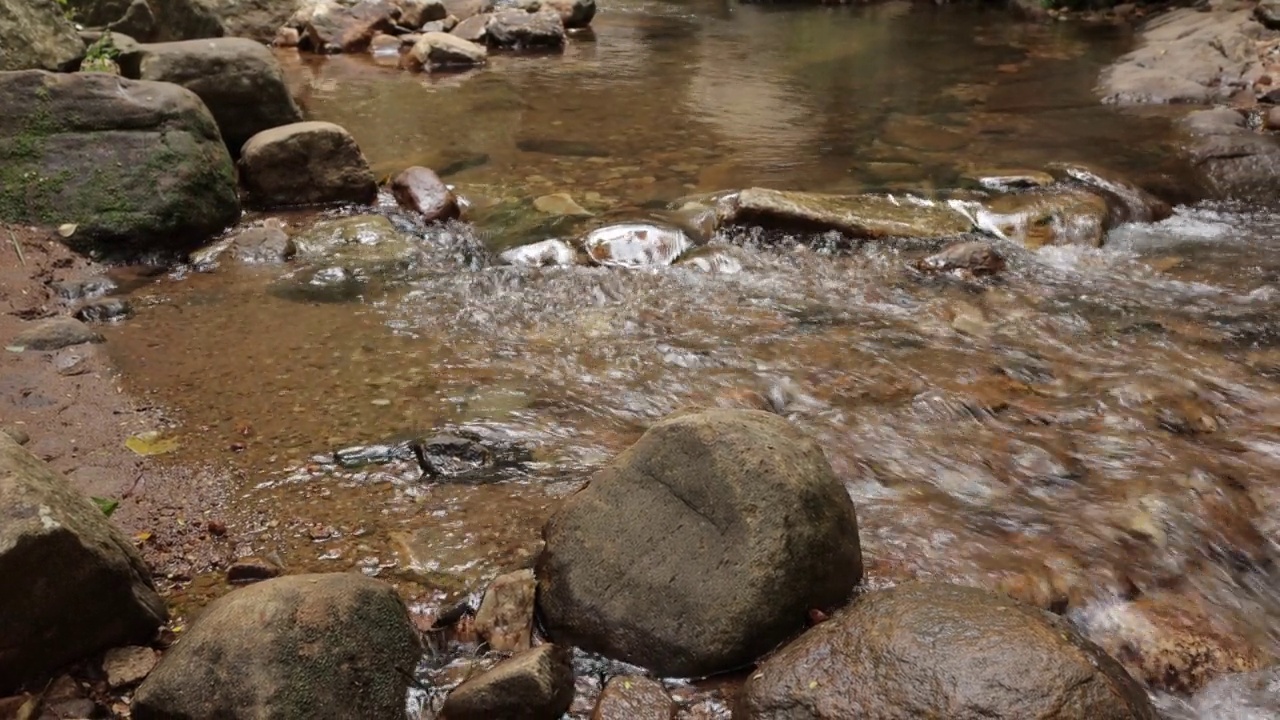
[136, 166]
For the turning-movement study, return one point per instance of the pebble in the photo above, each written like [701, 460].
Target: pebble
[128, 665]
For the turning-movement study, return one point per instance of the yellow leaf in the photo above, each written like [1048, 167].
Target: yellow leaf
[151, 443]
[813, 684]
[142, 536]
[626, 684]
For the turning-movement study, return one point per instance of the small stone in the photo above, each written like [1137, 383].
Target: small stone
[105, 310]
[251, 569]
[420, 189]
[55, 334]
[534, 685]
[128, 665]
[976, 257]
[505, 618]
[634, 697]
[560, 204]
[217, 528]
[441, 50]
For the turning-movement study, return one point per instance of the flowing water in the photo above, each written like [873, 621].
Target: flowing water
[1095, 432]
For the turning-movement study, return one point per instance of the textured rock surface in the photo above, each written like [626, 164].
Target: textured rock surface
[34, 34]
[305, 163]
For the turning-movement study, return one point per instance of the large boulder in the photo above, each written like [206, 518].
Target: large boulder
[534, 685]
[163, 20]
[934, 650]
[34, 34]
[1232, 160]
[307, 163]
[858, 216]
[239, 80]
[135, 165]
[700, 547]
[337, 645]
[336, 28]
[73, 583]
[517, 29]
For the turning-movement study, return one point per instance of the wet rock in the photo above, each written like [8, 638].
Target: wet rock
[539, 254]
[1188, 56]
[560, 204]
[573, 13]
[520, 30]
[634, 697]
[505, 618]
[128, 666]
[307, 163]
[1058, 216]
[82, 289]
[155, 20]
[1240, 696]
[105, 310]
[149, 170]
[976, 258]
[1232, 160]
[338, 28]
[472, 29]
[384, 46]
[335, 645]
[55, 334]
[239, 81]
[1128, 202]
[652, 525]
[635, 245]
[1011, 180]
[358, 240]
[263, 245]
[35, 34]
[932, 650]
[440, 50]
[420, 190]
[858, 216]
[250, 570]
[91, 588]
[534, 685]
[718, 260]
[416, 13]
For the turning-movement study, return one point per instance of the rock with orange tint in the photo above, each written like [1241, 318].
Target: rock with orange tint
[633, 697]
[505, 617]
[422, 191]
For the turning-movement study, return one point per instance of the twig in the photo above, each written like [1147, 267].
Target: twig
[17, 248]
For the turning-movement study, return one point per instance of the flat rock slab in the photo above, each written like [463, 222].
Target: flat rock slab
[869, 217]
[534, 685]
[55, 334]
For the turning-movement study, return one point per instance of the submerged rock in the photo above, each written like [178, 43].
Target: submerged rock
[307, 163]
[149, 170]
[336, 645]
[1240, 696]
[75, 585]
[534, 685]
[421, 190]
[858, 216]
[1128, 202]
[560, 204]
[239, 81]
[636, 244]
[715, 259]
[1056, 216]
[36, 35]
[539, 254]
[442, 50]
[505, 618]
[104, 310]
[666, 559]
[359, 240]
[932, 650]
[520, 30]
[976, 258]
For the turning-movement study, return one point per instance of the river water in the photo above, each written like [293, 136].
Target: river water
[1097, 432]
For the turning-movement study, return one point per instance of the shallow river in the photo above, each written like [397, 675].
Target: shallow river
[1097, 432]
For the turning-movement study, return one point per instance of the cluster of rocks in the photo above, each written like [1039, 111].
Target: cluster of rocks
[431, 34]
[1224, 53]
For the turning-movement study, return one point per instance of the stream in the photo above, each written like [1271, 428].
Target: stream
[1094, 432]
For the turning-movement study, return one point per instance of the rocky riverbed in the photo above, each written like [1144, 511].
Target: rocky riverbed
[549, 360]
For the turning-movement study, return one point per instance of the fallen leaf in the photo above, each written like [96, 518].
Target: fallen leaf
[15, 348]
[142, 536]
[106, 505]
[151, 443]
[68, 229]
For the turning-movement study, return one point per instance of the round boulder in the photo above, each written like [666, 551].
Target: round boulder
[934, 650]
[337, 645]
[700, 547]
[306, 163]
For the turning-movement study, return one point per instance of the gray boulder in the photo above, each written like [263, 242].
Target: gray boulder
[520, 30]
[34, 34]
[74, 584]
[239, 81]
[933, 650]
[169, 20]
[329, 646]
[135, 165]
[701, 547]
[1232, 160]
[307, 163]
